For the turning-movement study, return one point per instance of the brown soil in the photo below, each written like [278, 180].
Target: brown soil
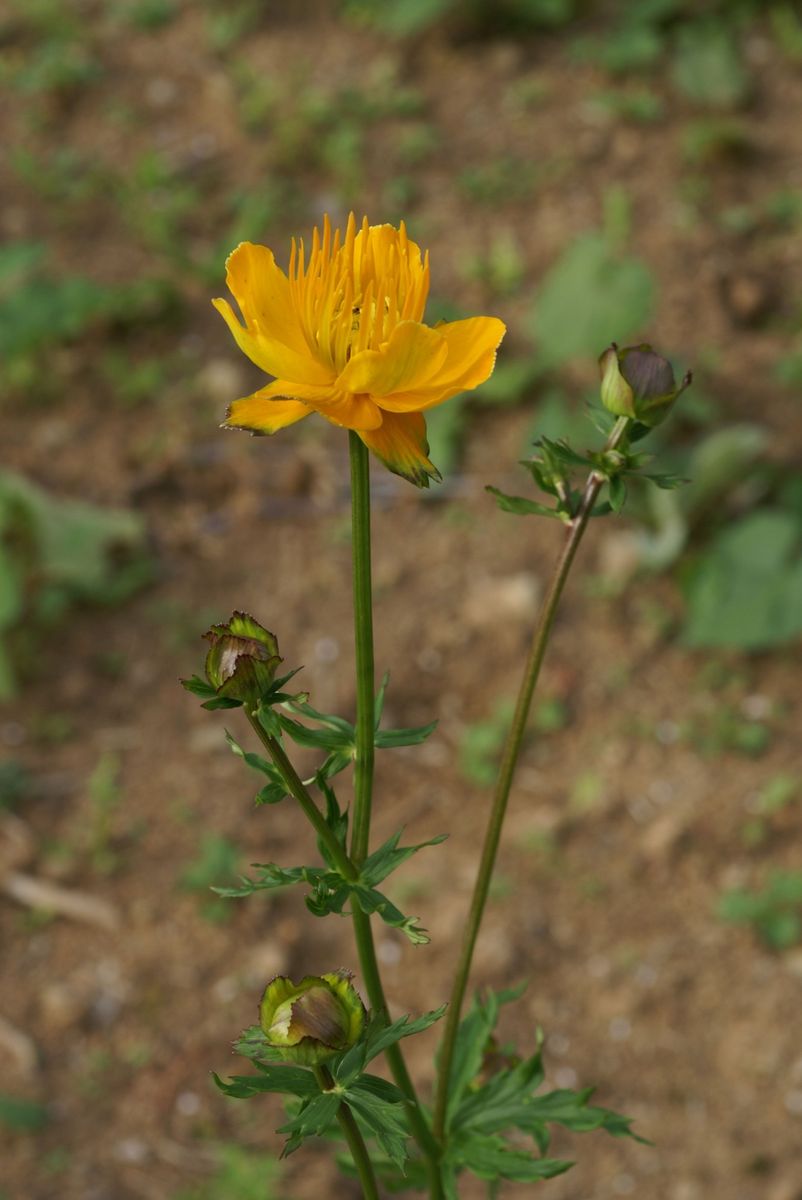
[605, 902]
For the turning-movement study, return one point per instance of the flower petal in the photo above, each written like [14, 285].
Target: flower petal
[260, 413]
[472, 346]
[351, 412]
[401, 444]
[274, 357]
[407, 361]
[263, 294]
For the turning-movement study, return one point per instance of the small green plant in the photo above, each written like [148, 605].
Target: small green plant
[55, 552]
[774, 911]
[216, 863]
[241, 1175]
[708, 67]
[22, 1116]
[592, 293]
[104, 798]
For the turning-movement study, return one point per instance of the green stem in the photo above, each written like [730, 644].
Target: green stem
[509, 760]
[363, 635]
[363, 789]
[356, 1143]
[296, 788]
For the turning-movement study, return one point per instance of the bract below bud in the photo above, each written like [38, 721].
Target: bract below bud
[242, 661]
[312, 1020]
[638, 383]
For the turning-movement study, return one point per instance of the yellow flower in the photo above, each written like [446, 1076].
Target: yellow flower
[342, 333]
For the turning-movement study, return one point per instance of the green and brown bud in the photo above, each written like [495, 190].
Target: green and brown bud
[243, 658]
[638, 383]
[312, 1020]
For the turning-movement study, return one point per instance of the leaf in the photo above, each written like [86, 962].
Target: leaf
[272, 876]
[254, 761]
[380, 1036]
[383, 1120]
[571, 1109]
[286, 1080]
[313, 1119]
[253, 1044]
[379, 1088]
[591, 296]
[329, 738]
[472, 1038]
[333, 722]
[617, 492]
[490, 1158]
[372, 901]
[390, 856]
[521, 506]
[386, 739]
[199, 687]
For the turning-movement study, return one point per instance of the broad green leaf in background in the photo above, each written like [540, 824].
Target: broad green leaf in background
[746, 592]
[592, 296]
[708, 67]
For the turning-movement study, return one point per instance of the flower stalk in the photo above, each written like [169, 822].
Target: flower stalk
[509, 761]
[363, 789]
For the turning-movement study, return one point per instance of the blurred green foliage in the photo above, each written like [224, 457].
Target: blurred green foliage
[55, 553]
[774, 911]
[241, 1175]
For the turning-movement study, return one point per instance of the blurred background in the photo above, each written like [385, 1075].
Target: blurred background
[586, 171]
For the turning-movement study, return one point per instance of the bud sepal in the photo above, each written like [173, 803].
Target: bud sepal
[638, 383]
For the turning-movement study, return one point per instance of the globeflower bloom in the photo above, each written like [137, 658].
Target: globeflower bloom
[310, 1021]
[343, 334]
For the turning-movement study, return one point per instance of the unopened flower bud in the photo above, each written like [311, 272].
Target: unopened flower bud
[241, 663]
[312, 1020]
[638, 383]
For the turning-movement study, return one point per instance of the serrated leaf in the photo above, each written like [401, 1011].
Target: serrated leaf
[329, 719]
[472, 1038]
[313, 1119]
[386, 739]
[380, 1036]
[521, 506]
[390, 856]
[564, 453]
[199, 687]
[285, 1080]
[272, 876]
[383, 1120]
[378, 1088]
[490, 1158]
[336, 819]
[271, 793]
[328, 738]
[254, 761]
[372, 901]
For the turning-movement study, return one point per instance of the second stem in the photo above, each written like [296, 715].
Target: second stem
[509, 760]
